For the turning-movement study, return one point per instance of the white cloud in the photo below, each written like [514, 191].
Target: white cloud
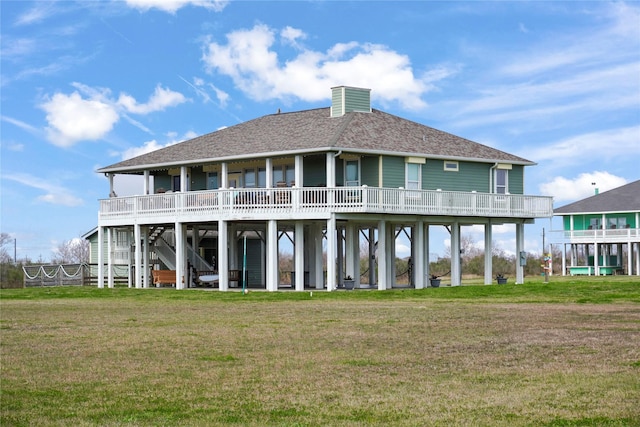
[89, 113]
[172, 6]
[38, 13]
[249, 59]
[161, 99]
[54, 193]
[570, 189]
[72, 118]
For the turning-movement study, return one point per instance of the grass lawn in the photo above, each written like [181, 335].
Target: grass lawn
[565, 353]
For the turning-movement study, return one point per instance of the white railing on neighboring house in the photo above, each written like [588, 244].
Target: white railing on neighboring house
[607, 235]
[242, 203]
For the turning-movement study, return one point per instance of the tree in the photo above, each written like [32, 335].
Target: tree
[5, 240]
[74, 251]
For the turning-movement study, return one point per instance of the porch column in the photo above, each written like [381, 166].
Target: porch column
[331, 252]
[488, 253]
[110, 257]
[382, 255]
[181, 252]
[101, 257]
[268, 174]
[340, 245]
[137, 255]
[455, 254]
[519, 248]
[298, 171]
[391, 257]
[184, 180]
[233, 250]
[145, 185]
[315, 267]
[299, 255]
[224, 176]
[223, 255]
[564, 259]
[352, 256]
[111, 190]
[331, 170]
[418, 255]
[145, 256]
[272, 255]
[596, 261]
[427, 257]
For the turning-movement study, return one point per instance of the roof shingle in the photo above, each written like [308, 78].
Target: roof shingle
[312, 131]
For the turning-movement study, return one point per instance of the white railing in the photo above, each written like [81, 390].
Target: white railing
[609, 235]
[309, 200]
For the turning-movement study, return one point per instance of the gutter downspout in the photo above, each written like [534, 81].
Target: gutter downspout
[491, 188]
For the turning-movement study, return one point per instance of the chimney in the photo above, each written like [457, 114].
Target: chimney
[345, 99]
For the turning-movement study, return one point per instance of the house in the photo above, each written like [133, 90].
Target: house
[325, 180]
[602, 233]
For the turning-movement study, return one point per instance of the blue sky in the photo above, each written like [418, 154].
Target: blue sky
[87, 84]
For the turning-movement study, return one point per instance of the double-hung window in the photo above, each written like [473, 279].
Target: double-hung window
[413, 176]
[502, 181]
[352, 173]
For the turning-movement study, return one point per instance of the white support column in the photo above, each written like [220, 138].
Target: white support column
[180, 255]
[145, 256]
[268, 172]
[137, 256]
[184, 179]
[299, 171]
[637, 258]
[419, 277]
[519, 248]
[564, 259]
[224, 175]
[320, 275]
[145, 183]
[233, 247]
[488, 253]
[331, 253]
[223, 255]
[299, 256]
[455, 254]
[101, 257]
[272, 255]
[352, 252]
[382, 255]
[331, 170]
[111, 189]
[391, 257]
[596, 261]
[110, 257]
[427, 258]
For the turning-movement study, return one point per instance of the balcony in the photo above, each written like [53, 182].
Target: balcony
[315, 203]
[607, 235]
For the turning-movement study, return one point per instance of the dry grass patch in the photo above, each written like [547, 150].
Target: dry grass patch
[157, 361]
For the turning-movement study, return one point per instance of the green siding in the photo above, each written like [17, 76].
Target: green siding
[516, 180]
[339, 172]
[393, 170]
[369, 171]
[357, 100]
[161, 181]
[471, 176]
[582, 222]
[314, 171]
[198, 179]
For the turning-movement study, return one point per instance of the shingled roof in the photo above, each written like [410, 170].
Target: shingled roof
[621, 199]
[314, 131]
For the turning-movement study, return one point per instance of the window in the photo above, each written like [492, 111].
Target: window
[502, 181]
[413, 175]
[451, 166]
[352, 173]
[255, 177]
[283, 173]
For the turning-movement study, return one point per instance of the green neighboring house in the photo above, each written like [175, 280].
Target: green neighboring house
[601, 234]
[334, 182]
